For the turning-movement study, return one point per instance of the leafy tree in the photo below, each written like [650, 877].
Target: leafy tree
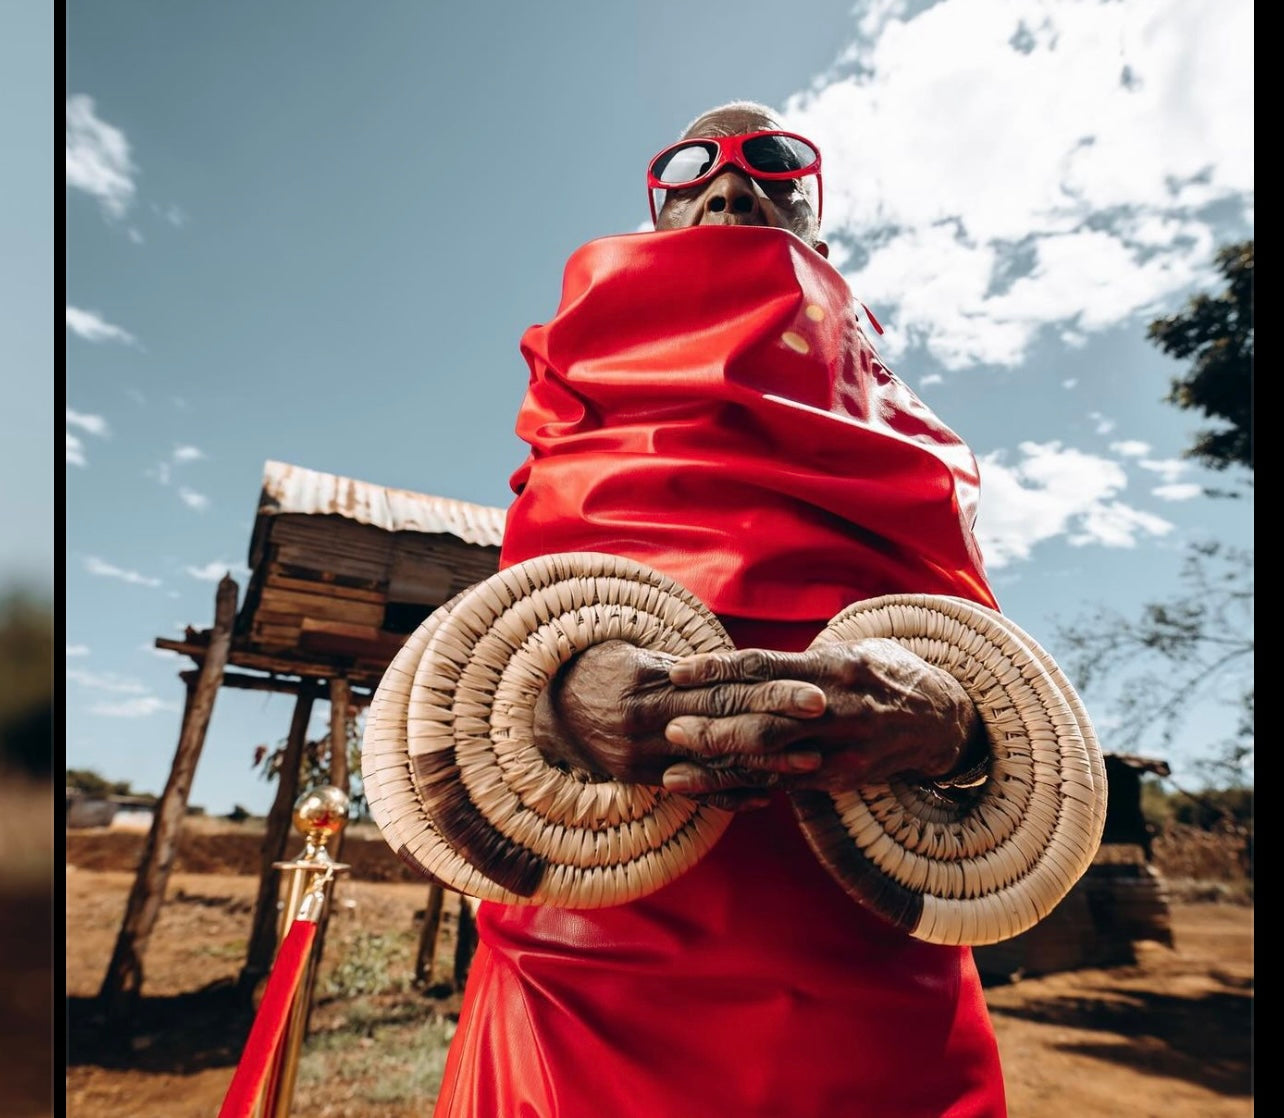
[1215, 332]
[1199, 643]
[314, 767]
[94, 784]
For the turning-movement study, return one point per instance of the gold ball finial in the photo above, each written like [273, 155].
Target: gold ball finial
[321, 813]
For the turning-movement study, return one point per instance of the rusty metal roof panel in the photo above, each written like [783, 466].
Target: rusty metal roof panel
[294, 489]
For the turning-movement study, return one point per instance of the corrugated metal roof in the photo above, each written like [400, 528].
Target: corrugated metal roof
[294, 489]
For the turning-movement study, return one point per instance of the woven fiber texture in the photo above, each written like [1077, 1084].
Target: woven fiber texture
[453, 777]
[464, 797]
[980, 865]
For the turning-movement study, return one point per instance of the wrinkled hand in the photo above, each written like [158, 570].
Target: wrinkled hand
[887, 712]
[611, 709]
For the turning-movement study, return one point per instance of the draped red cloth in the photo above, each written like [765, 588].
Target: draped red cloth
[705, 401]
[258, 1069]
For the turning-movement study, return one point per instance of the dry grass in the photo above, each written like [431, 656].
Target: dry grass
[1169, 1037]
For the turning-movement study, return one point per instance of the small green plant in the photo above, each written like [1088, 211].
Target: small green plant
[371, 963]
[382, 1054]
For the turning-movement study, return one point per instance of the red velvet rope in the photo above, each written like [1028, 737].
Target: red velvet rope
[259, 1059]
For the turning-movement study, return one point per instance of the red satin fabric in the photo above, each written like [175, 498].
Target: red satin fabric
[673, 419]
[670, 423]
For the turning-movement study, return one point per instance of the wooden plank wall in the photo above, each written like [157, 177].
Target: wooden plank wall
[335, 570]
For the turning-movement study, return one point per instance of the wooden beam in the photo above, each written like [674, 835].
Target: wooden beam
[314, 688]
[426, 956]
[340, 705]
[340, 708]
[465, 943]
[263, 930]
[347, 640]
[196, 649]
[124, 978]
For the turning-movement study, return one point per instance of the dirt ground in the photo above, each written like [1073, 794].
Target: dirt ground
[1168, 1037]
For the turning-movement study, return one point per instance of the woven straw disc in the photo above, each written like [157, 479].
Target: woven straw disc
[465, 795]
[385, 768]
[977, 866]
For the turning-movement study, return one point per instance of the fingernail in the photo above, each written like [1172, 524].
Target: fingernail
[680, 673]
[809, 700]
[804, 762]
[676, 735]
[676, 782]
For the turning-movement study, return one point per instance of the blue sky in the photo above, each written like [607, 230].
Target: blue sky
[315, 231]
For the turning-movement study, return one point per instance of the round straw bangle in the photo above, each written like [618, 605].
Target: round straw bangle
[456, 780]
[980, 855]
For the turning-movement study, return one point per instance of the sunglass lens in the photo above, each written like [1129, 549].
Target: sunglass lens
[780, 154]
[685, 163]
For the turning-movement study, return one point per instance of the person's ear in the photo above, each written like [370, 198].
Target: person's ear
[822, 248]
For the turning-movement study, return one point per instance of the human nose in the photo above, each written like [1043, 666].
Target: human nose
[731, 199]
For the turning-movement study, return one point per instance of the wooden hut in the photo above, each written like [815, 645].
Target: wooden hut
[340, 572]
[1122, 899]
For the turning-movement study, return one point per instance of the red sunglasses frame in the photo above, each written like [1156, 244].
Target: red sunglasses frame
[731, 151]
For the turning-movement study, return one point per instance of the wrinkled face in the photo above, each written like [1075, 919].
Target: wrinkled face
[734, 198]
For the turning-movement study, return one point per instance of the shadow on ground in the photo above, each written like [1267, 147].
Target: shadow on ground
[1206, 1040]
[207, 1028]
[180, 1034]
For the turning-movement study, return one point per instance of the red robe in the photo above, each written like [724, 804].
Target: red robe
[706, 402]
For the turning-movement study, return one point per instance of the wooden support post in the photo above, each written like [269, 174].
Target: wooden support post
[340, 705]
[426, 956]
[124, 979]
[262, 946]
[465, 942]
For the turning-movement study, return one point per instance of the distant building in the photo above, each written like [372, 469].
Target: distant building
[132, 813]
[1120, 901]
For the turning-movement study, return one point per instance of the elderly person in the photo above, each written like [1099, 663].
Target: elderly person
[779, 475]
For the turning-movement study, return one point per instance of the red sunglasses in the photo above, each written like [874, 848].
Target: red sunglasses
[770, 155]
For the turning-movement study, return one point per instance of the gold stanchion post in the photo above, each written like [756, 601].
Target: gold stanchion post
[319, 815]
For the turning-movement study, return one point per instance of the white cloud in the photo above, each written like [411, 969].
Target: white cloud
[194, 500]
[1002, 167]
[1130, 448]
[1170, 469]
[75, 450]
[188, 453]
[96, 566]
[77, 650]
[139, 707]
[94, 424]
[1055, 491]
[98, 160]
[106, 681]
[215, 570]
[1178, 491]
[91, 326]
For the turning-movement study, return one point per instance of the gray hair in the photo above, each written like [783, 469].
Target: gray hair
[755, 108]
